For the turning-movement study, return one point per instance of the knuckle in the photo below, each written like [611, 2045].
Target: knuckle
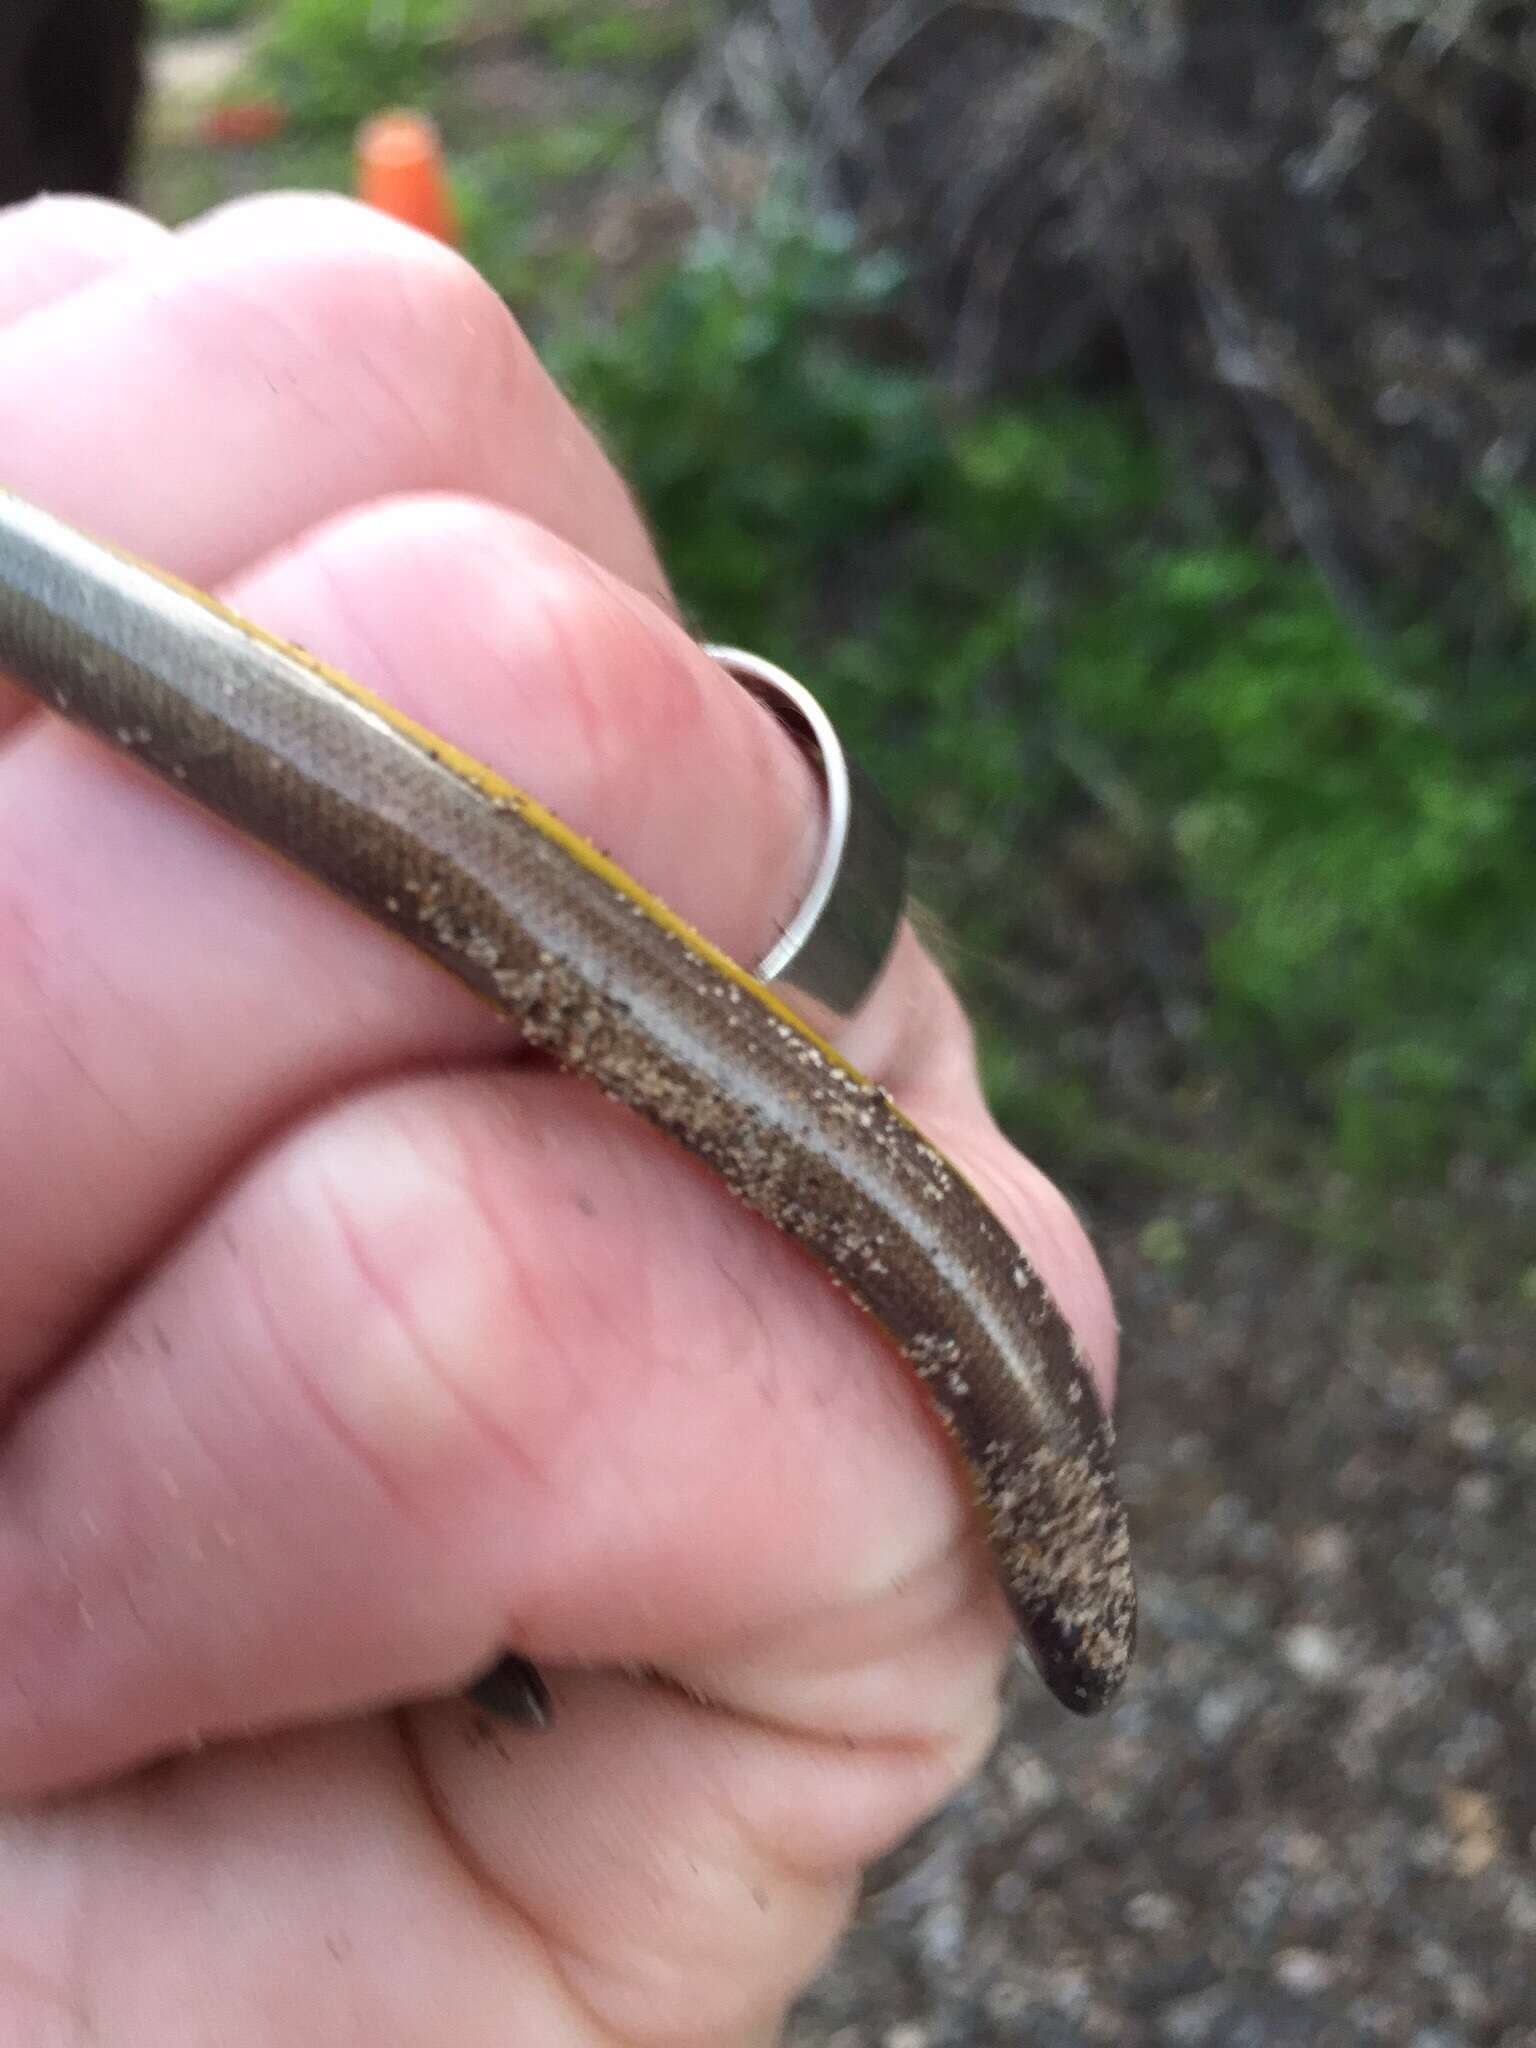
[413, 314]
[79, 224]
[562, 634]
[458, 547]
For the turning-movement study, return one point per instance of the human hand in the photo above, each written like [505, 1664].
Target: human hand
[338, 1348]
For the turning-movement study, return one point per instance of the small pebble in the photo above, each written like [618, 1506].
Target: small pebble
[1303, 1970]
[1313, 1653]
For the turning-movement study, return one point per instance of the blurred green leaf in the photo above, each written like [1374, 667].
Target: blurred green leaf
[334, 62]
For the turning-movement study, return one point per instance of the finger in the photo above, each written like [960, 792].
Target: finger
[282, 360]
[689, 1870]
[53, 246]
[140, 941]
[295, 1891]
[326, 1887]
[435, 1376]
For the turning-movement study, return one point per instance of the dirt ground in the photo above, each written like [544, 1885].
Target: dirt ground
[1313, 1817]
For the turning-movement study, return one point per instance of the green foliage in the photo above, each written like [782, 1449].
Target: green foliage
[519, 166]
[332, 62]
[1360, 870]
[1163, 1243]
[186, 181]
[613, 34]
[186, 15]
[1007, 626]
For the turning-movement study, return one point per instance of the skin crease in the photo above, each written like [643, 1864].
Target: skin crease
[374, 1296]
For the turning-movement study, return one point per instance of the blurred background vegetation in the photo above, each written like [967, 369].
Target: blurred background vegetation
[1199, 665]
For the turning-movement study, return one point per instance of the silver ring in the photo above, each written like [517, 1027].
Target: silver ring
[840, 938]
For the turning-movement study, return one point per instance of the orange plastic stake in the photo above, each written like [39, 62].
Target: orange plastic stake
[400, 170]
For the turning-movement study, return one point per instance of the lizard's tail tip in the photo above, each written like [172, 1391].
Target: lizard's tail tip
[1084, 1665]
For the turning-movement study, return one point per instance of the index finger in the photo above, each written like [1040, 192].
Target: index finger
[209, 396]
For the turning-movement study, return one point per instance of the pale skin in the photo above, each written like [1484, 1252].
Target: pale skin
[340, 1347]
